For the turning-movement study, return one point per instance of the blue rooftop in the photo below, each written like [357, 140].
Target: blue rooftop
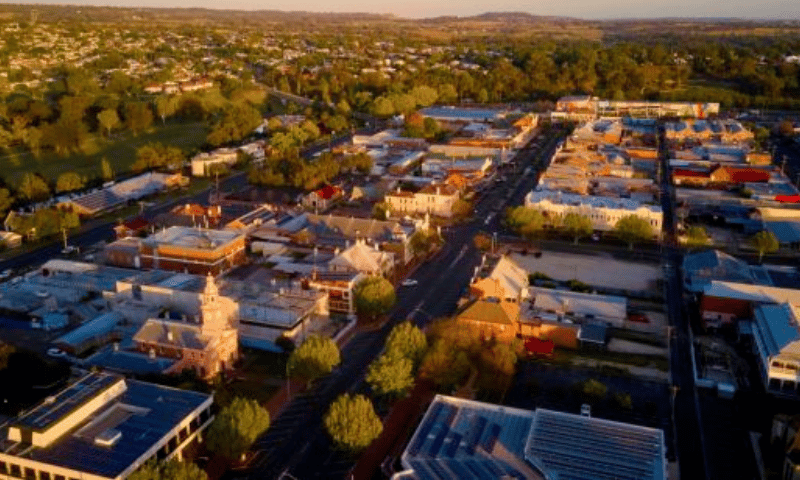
[142, 415]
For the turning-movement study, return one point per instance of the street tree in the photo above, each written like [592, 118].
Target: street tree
[445, 364]
[578, 226]
[236, 427]
[380, 211]
[391, 374]
[352, 423]
[33, 188]
[764, 242]
[108, 119]
[482, 241]
[632, 229]
[407, 340]
[374, 296]
[170, 470]
[68, 182]
[314, 358]
[527, 222]
[696, 236]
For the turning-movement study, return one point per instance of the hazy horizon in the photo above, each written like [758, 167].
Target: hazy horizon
[417, 9]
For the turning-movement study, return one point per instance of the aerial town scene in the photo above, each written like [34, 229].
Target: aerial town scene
[423, 242]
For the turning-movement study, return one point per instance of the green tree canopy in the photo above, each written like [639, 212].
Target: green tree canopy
[138, 116]
[577, 225]
[157, 155]
[374, 296]
[238, 121]
[764, 242]
[170, 470]
[33, 188]
[407, 340]
[383, 107]
[527, 222]
[445, 364]
[166, 106]
[68, 182]
[108, 119]
[315, 357]
[236, 427]
[632, 229]
[352, 423]
[391, 374]
[696, 236]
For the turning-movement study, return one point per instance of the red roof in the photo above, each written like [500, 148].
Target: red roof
[137, 223]
[327, 192]
[745, 175]
[788, 198]
[683, 172]
[539, 347]
[730, 306]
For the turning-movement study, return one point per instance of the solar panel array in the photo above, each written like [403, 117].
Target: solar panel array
[65, 401]
[165, 408]
[461, 439]
[573, 447]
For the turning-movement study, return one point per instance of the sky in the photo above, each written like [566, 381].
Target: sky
[588, 9]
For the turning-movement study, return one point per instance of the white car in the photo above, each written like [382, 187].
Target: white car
[56, 352]
[409, 282]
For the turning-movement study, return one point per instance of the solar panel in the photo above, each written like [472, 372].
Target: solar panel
[475, 433]
[459, 469]
[438, 440]
[491, 438]
[478, 471]
[424, 430]
[455, 440]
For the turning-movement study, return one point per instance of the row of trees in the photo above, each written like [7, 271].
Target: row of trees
[294, 171]
[530, 223]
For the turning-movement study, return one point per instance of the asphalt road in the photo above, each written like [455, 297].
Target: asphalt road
[296, 443]
[691, 445]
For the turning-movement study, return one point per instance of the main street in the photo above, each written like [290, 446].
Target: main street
[691, 446]
[296, 442]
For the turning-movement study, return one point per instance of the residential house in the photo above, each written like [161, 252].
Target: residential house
[363, 258]
[322, 199]
[434, 199]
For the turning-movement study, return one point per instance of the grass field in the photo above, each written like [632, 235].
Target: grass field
[120, 153]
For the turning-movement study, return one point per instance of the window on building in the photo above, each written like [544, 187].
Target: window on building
[15, 471]
[59, 477]
[3, 467]
[44, 476]
[30, 474]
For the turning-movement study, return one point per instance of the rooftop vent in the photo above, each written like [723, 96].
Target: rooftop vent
[108, 438]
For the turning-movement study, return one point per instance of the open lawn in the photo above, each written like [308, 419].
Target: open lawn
[121, 153]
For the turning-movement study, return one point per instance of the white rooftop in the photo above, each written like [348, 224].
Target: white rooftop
[558, 197]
